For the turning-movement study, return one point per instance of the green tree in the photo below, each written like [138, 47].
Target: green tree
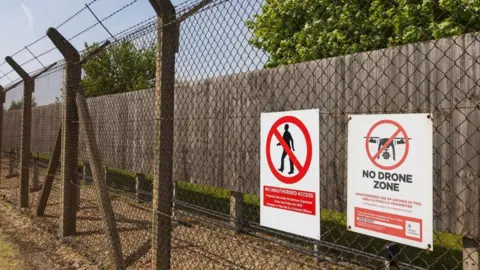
[18, 104]
[293, 31]
[123, 67]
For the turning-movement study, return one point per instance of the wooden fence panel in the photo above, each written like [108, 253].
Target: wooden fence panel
[471, 191]
[12, 121]
[217, 121]
[46, 120]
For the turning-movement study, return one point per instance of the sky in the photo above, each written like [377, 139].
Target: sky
[213, 43]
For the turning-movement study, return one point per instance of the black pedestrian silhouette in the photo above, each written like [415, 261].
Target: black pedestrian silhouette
[287, 137]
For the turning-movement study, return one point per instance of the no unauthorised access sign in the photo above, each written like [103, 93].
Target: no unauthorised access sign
[390, 177]
[290, 173]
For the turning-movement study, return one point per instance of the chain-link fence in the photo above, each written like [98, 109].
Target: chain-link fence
[145, 149]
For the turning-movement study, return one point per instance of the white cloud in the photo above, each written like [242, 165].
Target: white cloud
[28, 13]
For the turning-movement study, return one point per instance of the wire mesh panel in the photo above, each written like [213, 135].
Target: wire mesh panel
[188, 89]
[11, 140]
[219, 101]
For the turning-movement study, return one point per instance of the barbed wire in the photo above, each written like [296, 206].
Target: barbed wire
[77, 13]
[72, 37]
[182, 11]
[144, 25]
[102, 20]
[135, 27]
[128, 32]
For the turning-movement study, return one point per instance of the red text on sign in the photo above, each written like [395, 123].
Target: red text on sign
[289, 199]
[390, 224]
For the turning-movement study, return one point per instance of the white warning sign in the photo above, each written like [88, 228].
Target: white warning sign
[290, 172]
[390, 177]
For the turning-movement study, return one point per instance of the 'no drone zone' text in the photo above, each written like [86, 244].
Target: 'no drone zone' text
[386, 180]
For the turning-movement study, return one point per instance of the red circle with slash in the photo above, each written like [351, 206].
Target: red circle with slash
[302, 169]
[399, 130]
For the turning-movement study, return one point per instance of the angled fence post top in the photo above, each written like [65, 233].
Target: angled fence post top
[63, 45]
[166, 12]
[44, 70]
[163, 8]
[95, 52]
[18, 69]
[26, 133]
[70, 133]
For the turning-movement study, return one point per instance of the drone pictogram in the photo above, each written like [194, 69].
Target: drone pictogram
[382, 141]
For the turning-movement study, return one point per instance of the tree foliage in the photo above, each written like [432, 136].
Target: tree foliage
[123, 67]
[293, 31]
[18, 104]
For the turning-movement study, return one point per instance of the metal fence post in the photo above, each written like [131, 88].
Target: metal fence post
[87, 173]
[390, 255]
[70, 133]
[25, 154]
[140, 187]
[163, 149]
[98, 172]
[236, 210]
[11, 162]
[105, 169]
[51, 170]
[176, 195]
[35, 181]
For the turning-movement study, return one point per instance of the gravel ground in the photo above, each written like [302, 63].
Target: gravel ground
[37, 248]
[197, 243]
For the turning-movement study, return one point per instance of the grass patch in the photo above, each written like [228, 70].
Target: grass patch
[9, 255]
[446, 254]
[447, 247]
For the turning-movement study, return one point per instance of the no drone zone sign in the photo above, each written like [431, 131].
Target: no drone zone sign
[390, 177]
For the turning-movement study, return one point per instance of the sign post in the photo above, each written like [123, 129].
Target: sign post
[390, 177]
[290, 172]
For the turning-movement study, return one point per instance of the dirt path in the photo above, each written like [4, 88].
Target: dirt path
[24, 246]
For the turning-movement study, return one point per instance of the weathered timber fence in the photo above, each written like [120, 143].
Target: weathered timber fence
[217, 120]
